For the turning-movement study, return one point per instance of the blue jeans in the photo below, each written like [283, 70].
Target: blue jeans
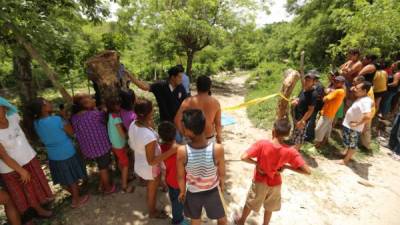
[177, 207]
[387, 102]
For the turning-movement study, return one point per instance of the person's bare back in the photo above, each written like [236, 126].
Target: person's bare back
[212, 112]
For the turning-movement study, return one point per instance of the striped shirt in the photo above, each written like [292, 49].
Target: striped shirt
[91, 133]
[201, 171]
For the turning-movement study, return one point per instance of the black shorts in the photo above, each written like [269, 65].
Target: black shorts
[379, 94]
[104, 161]
[211, 200]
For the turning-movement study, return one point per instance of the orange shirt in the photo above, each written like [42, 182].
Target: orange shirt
[332, 103]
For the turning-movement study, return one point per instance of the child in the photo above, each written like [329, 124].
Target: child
[204, 164]
[118, 136]
[128, 115]
[144, 141]
[65, 165]
[271, 158]
[19, 168]
[167, 132]
[89, 125]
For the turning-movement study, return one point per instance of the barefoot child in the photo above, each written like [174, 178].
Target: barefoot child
[65, 165]
[144, 141]
[204, 165]
[89, 125]
[19, 169]
[118, 138]
[270, 157]
[167, 132]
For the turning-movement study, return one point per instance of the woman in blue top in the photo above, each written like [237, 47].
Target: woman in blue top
[65, 165]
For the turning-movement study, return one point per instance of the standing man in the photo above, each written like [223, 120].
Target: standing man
[332, 102]
[369, 69]
[357, 116]
[169, 93]
[210, 107]
[304, 108]
[352, 67]
[320, 93]
[185, 79]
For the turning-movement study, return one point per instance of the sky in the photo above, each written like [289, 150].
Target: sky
[277, 9]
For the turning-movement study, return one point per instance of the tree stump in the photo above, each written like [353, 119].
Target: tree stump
[289, 82]
[103, 69]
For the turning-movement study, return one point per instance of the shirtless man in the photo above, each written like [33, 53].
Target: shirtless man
[352, 67]
[369, 68]
[210, 107]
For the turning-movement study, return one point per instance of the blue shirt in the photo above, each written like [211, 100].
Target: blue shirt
[186, 83]
[51, 132]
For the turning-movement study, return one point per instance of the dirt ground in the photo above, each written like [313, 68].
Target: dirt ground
[331, 196]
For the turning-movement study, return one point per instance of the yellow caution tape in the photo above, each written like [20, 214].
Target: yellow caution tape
[254, 101]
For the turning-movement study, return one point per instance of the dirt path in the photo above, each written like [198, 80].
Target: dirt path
[332, 195]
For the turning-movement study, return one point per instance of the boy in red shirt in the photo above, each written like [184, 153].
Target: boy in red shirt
[270, 158]
[167, 133]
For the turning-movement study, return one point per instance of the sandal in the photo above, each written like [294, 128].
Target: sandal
[129, 189]
[84, 200]
[112, 191]
[159, 215]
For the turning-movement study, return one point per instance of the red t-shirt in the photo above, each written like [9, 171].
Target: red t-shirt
[170, 165]
[271, 158]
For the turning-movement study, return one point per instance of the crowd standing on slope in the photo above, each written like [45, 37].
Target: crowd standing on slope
[185, 152]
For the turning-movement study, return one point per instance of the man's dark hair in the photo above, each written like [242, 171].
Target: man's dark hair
[127, 99]
[143, 107]
[354, 51]
[282, 127]
[203, 84]
[181, 68]
[194, 120]
[167, 131]
[173, 71]
[366, 86]
[371, 57]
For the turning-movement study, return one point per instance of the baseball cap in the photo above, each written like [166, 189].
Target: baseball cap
[340, 79]
[313, 74]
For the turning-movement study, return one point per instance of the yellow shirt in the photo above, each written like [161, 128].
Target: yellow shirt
[372, 96]
[380, 81]
[332, 103]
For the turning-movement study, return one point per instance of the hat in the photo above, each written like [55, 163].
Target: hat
[314, 74]
[340, 79]
[11, 109]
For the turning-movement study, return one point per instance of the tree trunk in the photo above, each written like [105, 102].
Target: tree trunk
[51, 74]
[189, 63]
[27, 90]
[291, 78]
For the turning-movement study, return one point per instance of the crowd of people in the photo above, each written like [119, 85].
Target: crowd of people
[185, 152]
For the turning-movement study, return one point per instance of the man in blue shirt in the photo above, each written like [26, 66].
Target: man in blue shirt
[185, 79]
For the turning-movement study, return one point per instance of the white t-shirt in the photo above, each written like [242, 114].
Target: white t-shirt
[15, 143]
[355, 113]
[139, 137]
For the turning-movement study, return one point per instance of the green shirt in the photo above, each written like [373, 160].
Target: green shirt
[117, 141]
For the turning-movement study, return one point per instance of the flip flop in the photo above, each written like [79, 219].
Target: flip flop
[112, 191]
[160, 215]
[81, 203]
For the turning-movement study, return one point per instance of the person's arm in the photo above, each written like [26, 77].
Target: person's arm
[10, 162]
[180, 172]
[178, 116]
[121, 130]
[330, 96]
[367, 70]
[68, 129]
[220, 162]
[304, 169]
[396, 80]
[152, 159]
[218, 125]
[139, 83]
[307, 115]
[355, 69]
[246, 158]
[366, 117]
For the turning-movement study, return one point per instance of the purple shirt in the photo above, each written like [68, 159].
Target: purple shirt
[91, 133]
[127, 117]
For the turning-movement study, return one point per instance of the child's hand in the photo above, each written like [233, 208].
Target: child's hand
[222, 186]
[25, 176]
[181, 197]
